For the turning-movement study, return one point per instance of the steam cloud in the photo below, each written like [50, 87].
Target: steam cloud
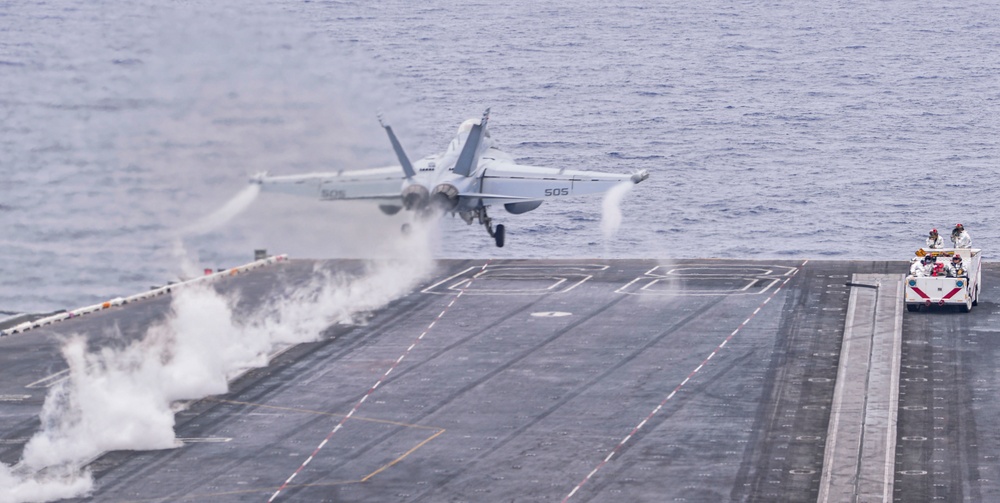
[611, 211]
[125, 398]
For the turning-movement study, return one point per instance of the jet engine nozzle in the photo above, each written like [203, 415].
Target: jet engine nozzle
[445, 197]
[415, 197]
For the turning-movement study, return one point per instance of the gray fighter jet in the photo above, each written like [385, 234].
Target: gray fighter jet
[469, 176]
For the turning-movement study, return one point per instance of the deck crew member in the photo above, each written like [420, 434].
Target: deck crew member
[916, 267]
[927, 266]
[934, 240]
[956, 267]
[961, 237]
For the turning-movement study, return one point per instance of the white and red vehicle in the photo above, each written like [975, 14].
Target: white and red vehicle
[960, 290]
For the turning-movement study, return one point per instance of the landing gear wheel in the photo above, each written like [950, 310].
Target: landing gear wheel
[497, 234]
[405, 229]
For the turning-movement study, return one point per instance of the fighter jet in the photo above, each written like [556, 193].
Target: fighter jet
[471, 175]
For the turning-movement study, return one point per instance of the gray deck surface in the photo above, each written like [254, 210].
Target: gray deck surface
[728, 366]
[860, 456]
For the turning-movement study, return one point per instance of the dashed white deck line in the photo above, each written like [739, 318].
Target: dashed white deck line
[659, 407]
[368, 393]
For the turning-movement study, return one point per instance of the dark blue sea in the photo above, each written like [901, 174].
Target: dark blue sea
[772, 129]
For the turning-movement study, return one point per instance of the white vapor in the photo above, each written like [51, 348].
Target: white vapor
[124, 398]
[238, 204]
[16, 486]
[187, 265]
[611, 211]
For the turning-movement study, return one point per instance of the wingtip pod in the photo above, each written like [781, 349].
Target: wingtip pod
[258, 178]
[640, 176]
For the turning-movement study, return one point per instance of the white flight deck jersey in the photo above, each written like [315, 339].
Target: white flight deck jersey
[963, 240]
[953, 269]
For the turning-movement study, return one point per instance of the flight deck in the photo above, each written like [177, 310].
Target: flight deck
[575, 380]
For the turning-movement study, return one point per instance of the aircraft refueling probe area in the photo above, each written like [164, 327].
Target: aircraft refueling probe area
[562, 380]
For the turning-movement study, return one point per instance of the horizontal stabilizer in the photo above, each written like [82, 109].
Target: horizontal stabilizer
[481, 195]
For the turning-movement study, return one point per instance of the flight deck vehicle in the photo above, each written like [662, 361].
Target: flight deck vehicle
[960, 290]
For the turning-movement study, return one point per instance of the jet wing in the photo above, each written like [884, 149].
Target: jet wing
[380, 184]
[508, 182]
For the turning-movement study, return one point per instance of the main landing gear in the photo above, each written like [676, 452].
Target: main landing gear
[498, 234]
[484, 219]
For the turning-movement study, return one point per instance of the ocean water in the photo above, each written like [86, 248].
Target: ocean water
[771, 129]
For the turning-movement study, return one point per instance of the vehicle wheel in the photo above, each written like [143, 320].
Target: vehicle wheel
[499, 235]
[975, 300]
[912, 307]
[967, 306]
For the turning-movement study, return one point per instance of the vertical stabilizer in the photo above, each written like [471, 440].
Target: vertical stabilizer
[468, 160]
[400, 154]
